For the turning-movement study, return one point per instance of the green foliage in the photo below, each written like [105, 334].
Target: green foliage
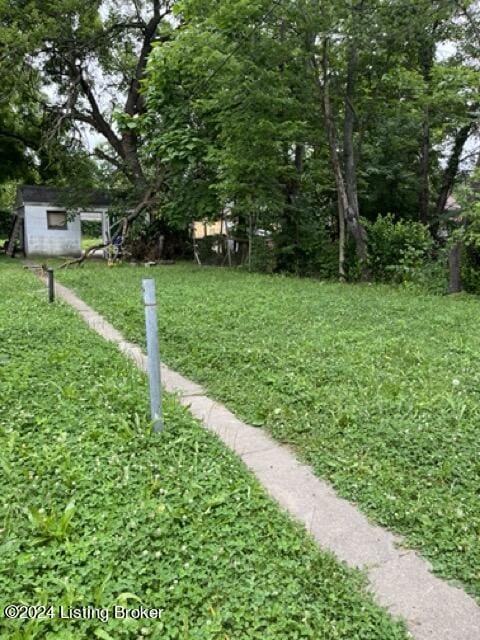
[16, 162]
[263, 255]
[397, 249]
[309, 250]
[232, 98]
[6, 221]
[91, 229]
[8, 192]
[227, 140]
[470, 262]
[36, 145]
[465, 228]
[429, 276]
[230, 115]
[51, 526]
[97, 510]
[375, 386]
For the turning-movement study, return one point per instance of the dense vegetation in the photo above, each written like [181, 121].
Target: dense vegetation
[378, 388]
[96, 510]
[299, 122]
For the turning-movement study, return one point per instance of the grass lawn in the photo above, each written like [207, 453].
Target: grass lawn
[378, 388]
[96, 510]
[88, 243]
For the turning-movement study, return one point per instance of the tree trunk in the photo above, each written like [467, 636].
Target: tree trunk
[350, 163]
[349, 159]
[451, 170]
[424, 198]
[289, 235]
[339, 181]
[347, 213]
[132, 161]
[341, 245]
[227, 238]
[454, 268]
[427, 57]
[250, 241]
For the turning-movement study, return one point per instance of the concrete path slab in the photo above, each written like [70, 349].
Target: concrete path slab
[400, 579]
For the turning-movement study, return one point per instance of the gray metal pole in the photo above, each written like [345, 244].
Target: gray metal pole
[51, 285]
[153, 354]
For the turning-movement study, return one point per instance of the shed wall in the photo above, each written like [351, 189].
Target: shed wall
[42, 241]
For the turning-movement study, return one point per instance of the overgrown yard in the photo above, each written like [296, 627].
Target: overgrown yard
[96, 510]
[378, 388]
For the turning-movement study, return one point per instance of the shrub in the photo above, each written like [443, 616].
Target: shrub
[471, 269]
[91, 229]
[6, 221]
[263, 255]
[467, 196]
[397, 249]
[308, 250]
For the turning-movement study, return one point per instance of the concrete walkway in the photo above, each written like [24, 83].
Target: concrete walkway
[400, 580]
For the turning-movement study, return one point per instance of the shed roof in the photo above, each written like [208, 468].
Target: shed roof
[35, 194]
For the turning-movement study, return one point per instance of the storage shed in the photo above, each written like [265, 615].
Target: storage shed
[45, 225]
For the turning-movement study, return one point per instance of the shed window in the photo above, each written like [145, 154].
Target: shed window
[57, 220]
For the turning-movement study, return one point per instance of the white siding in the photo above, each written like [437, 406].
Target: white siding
[92, 216]
[42, 241]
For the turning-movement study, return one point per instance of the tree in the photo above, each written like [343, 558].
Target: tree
[222, 135]
[91, 57]
[249, 104]
[20, 116]
[301, 119]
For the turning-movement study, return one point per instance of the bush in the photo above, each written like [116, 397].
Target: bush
[471, 252]
[6, 222]
[430, 277]
[263, 255]
[397, 250]
[467, 195]
[91, 229]
[212, 250]
[309, 250]
[471, 268]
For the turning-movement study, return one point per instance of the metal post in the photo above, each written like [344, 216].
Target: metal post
[51, 285]
[153, 354]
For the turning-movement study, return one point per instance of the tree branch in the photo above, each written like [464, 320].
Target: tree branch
[473, 154]
[108, 158]
[100, 124]
[138, 11]
[470, 19]
[451, 170]
[86, 118]
[19, 138]
[134, 103]
[79, 261]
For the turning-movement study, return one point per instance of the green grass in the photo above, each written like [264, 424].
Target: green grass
[88, 243]
[97, 510]
[378, 388]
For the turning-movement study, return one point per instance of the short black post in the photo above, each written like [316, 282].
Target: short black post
[51, 285]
